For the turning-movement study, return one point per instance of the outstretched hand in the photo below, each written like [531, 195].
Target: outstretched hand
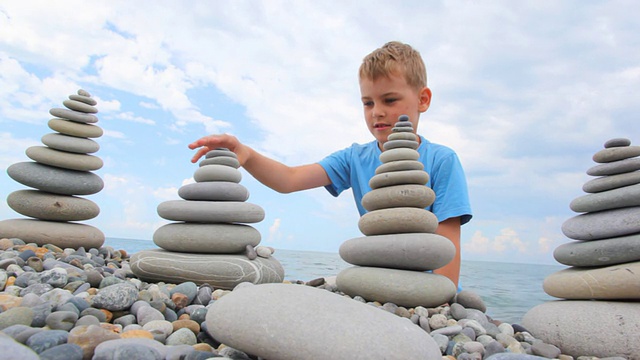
[211, 142]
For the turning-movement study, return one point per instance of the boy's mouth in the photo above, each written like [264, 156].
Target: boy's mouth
[381, 126]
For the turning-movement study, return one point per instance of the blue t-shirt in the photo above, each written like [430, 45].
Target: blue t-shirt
[354, 166]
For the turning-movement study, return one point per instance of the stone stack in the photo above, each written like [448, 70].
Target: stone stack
[60, 170]
[209, 240]
[400, 244]
[605, 264]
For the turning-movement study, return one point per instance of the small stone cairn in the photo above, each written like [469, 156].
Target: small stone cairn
[400, 243]
[209, 241]
[60, 170]
[605, 264]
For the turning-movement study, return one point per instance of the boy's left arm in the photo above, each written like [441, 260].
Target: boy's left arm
[450, 228]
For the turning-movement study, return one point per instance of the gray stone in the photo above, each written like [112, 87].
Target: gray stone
[398, 220]
[406, 195]
[220, 152]
[214, 191]
[74, 115]
[395, 144]
[79, 106]
[611, 182]
[16, 315]
[617, 142]
[319, 315]
[181, 336]
[12, 349]
[62, 352]
[402, 136]
[130, 349]
[47, 206]
[605, 200]
[514, 356]
[55, 180]
[217, 173]
[61, 234]
[62, 320]
[615, 282]
[418, 177]
[206, 238]
[70, 143]
[417, 251]
[470, 300]
[545, 350]
[602, 252]
[616, 167]
[597, 328]
[75, 129]
[64, 159]
[401, 165]
[116, 297]
[603, 224]
[210, 211]
[85, 99]
[616, 153]
[219, 271]
[189, 288]
[399, 154]
[221, 160]
[402, 129]
[401, 287]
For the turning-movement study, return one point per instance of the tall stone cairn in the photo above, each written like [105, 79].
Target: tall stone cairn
[209, 240]
[60, 170]
[600, 315]
[400, 244]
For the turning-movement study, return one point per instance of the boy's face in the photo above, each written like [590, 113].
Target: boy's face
[386, 98]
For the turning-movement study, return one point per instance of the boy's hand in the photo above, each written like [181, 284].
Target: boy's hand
[212, 142]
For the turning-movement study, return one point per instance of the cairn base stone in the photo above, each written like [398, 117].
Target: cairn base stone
[60, 234]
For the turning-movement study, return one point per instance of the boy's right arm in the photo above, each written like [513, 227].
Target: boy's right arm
[279, 177]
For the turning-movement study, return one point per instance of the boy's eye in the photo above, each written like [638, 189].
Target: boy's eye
[390, 100]
[367, 103]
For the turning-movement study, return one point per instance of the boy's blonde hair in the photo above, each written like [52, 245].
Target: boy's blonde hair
[397, 58]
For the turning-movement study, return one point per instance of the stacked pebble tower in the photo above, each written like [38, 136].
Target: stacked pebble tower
[605, 263]
[59, 171]
[209, 240]
[400, 243]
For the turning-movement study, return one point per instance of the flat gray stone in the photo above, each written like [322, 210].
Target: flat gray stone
[55, 180]
[602, 252]
[220, 152]
[206, 238]
[401, 165]
[85, 99]
[217, 173]
[75, 129]
[402, 136]
[597, 328]
[399, 129]
[399, 154]
[64, 159]
[603, 224]
[401, 287]
[615, 282]
[398, 220]
[60, 234]
[221, 160]
[415, 251]
[214, 191]
[79, 106]
[210, 211]
[395, 144]
[418, 196]
[47, 206]
[605, 200]
[616, 167]
[418, 177]
[611, 182]
[317, 327]
[219, 271]
[70, 143]
[74, 115]
[617, 142]
[616, 153]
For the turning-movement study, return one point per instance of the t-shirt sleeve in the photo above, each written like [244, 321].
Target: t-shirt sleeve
[338, 167]
[449, 183]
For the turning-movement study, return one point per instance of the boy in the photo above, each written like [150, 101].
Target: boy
[393, 82]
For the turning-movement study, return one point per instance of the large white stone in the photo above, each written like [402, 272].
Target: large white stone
[60, 234]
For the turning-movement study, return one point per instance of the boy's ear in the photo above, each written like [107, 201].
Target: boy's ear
[425, 99]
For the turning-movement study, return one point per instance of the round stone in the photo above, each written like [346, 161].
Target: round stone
[210, 211]
[85, 99]
[399, 154]
[206, 238]
[220, 152]
[394, 144]
[615, 282]
[219, 271]
[116, 297]
[61, 234]
[221, 160]
[616, 153]
[55, 180]
[214, 191]
[401, 287]
[618, 142]
[611, 182]
[401, 165]
[616, 167]
[63, 159]
[48, 206]
[402, 136]
[418, 196]
[75, 129]
[602, 252]
[74, 115]
[70, 143]
[611, 199]
[418, 177]
[319, 315]
[397, 221]
[417, 251]
[597, 328]
[217, 173]
[603, 224]
[79, 106]
[402, 129]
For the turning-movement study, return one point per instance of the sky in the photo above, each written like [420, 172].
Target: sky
[524, 92]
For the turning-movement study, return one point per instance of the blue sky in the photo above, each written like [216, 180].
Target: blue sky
[525, 93]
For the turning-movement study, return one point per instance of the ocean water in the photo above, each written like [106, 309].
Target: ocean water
[508, 289]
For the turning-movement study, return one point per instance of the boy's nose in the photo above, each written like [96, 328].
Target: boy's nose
[377, 111]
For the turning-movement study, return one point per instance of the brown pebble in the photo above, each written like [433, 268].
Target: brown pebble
[107, 314]
[316, 282]
[189, 324]
[203, 347]
[181, 300]
[184, 317]
[5, 244]
[136, 334]
[114, 328]
[35, 263]
[10, 281]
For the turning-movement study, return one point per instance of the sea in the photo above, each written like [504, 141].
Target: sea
[509, 290]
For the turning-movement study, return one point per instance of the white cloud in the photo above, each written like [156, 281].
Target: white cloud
[274, 231]
[129, 116]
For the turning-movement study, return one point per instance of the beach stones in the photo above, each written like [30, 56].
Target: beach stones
[60, 171]
[209, 239]
[400, 242]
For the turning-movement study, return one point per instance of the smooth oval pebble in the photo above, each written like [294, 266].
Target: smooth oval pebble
[64, 159]
[418, 177]
[616, 153]
[401, 165]
[398, 220]
[72, 128]
[408, 195]
[617, 198]
[217, 173]
[85, 99]
[395, 144]
[221, 160]
[70, 143]
[399, 154]
[220, 152]
[206, 238]
[402, 136]
[79, 106]
[603, 224]
[74, 115]
[611, 182]
[617, 142]
[603, 252]
[210, 211]
[55, 180]
[214, 191]
[61, 234]
[46, 206]
[616, 167]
